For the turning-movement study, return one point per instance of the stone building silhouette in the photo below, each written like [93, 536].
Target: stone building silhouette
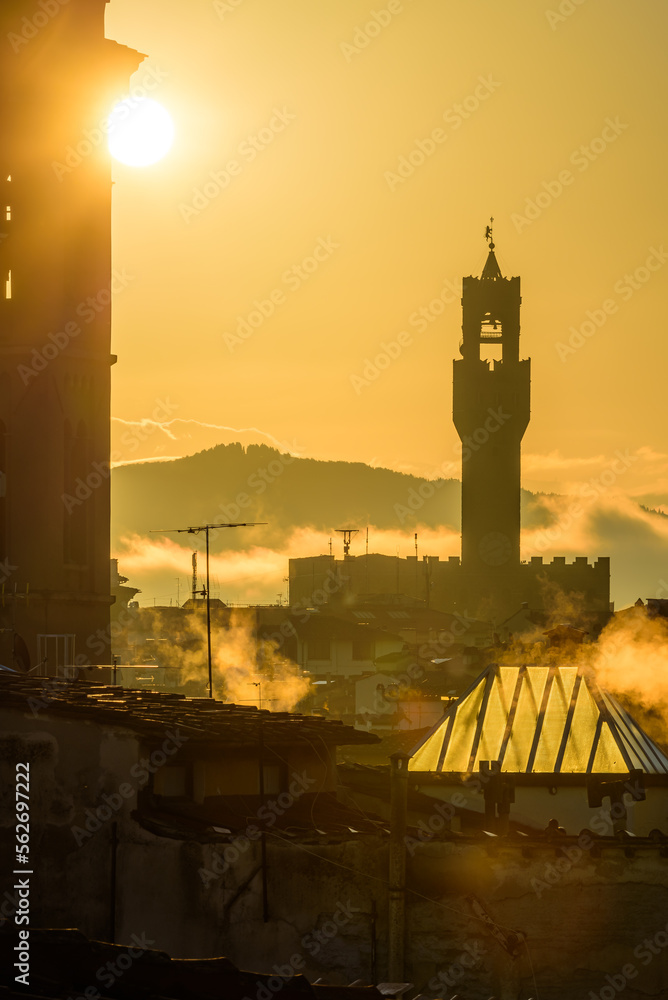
[59, 78]
[491, 410]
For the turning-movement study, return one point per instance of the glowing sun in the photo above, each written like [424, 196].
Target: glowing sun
[141, 132]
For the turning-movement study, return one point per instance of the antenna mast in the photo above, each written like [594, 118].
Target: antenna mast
[347, 536]
[206, 592]
[194, 576]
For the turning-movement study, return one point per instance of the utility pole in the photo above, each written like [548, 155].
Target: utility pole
[206, 528]
[397, 872]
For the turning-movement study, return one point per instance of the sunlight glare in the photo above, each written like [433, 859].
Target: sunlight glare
[141, 132]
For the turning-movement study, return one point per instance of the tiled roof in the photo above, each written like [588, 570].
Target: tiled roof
[389, 742]
[150, 713]
[538, 719]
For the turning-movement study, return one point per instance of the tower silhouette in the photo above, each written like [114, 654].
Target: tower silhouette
[491, 409]
[57, 87]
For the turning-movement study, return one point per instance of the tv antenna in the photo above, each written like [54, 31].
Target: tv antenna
[206, 528]
[195, 590]
[347, 537]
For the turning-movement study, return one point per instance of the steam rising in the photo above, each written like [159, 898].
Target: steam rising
[636, 540]
[630, 659]
[245, 670]
[257, 574]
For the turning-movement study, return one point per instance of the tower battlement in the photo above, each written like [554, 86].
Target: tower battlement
[602, 564]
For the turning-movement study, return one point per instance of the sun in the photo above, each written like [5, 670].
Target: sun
[141, 132]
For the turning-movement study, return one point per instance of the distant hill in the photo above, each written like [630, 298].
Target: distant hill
[257, 483]
[286, 492]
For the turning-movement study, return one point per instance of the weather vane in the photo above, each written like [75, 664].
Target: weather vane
[488, 233]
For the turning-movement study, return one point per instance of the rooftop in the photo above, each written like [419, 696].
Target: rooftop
[538, 719]
[150, 713]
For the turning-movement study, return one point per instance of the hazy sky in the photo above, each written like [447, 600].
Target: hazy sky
[316, 103]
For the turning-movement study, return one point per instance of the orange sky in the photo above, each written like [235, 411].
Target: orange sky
[316, 104]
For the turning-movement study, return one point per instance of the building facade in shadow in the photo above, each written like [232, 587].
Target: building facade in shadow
[59, 79]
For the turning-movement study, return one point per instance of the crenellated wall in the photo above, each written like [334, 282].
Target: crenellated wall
[447, 586]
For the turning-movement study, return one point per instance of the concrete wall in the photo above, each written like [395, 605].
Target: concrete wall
[535, 806]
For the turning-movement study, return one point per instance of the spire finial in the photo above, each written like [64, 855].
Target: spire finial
[489, 236]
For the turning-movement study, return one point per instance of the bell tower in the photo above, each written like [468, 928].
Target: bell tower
[59, 79]
[491, 409]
